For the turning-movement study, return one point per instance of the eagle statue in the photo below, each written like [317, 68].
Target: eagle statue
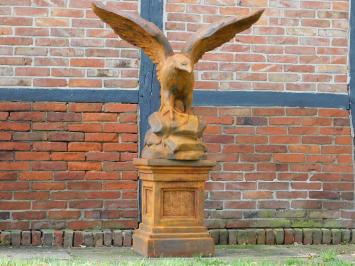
[175, 133]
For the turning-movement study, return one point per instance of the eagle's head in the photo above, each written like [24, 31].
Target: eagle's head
[181, 62]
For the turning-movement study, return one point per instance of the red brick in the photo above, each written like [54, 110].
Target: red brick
[75, 166]
[31, 156]
[85, 107]
[14, 146]
[48, 186]
[49, 146]
[82, 146]
[67, 156]
[84, 185]
[85, 127]
[13, 165]
[44, 166]
[32, 215]
[120, 128]
[33, 175]
[86, 204]
[119, 185]
[120, 147]
[16, 126]
[289, 158]
[63, 215]
[101, 137]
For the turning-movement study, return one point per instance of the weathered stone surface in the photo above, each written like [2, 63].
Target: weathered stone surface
[242, 237]
[289, 236]
[127, 238]
[5, 238]
[26, 238]
[232, 237]
[117, 238]
[326, 236]
[352, 236]
[88, 239]
[279, 236]
[223, 237]
[214, 233]
[98, 238]
[307, 236]
[78, 239]
[58, 238]
[270, 237]
[36, 238]
[317, 236]
[298, 233]
[179, 139]
[251, 235]
[176, 77]
[345, 236]
[15, 238]
[260, 237]
[68, 238]
[336, 236]
[47, 237]
[107, 238]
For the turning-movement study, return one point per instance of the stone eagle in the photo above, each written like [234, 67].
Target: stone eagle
[174, 70]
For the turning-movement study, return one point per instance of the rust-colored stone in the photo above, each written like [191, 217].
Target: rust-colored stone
[175, 132]
[172, 209]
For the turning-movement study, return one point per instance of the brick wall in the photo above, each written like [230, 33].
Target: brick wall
[296, 45]
[279, 167]
[62, 43]
[67, 165]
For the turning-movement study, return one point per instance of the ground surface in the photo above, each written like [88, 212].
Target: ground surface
[225, 255]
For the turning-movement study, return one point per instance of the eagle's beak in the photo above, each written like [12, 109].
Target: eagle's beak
[186, 68]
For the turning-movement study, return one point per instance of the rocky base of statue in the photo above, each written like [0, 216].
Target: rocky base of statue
[177, 139]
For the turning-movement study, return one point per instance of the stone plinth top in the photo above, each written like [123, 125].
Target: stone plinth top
[168, 163]
[172, 170]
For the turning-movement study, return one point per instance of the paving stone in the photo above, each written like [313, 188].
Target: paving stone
[307, 236]
[317, 236]
[26, 238]
[352, 236]
[214, 233]
[242, 237]
[36, 240]
[15, 238]
[298, 234]
[98, 238]
[78, 238]
[279, 236]
[345, 236]
[88, 239]
[336, 236]
[269, 237]
[68, 238]
[223, 237]
[289, 236]
[326, 236]
[107, 238]
[232, 237]
[47, 237]
[127, 238]
[251, 235]
[5, 238]
[58, 238]
[260, 236]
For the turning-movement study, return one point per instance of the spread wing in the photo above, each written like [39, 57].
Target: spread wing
[216, 34]
[137, 31]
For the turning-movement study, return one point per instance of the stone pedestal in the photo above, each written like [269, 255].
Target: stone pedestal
[173, 209]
